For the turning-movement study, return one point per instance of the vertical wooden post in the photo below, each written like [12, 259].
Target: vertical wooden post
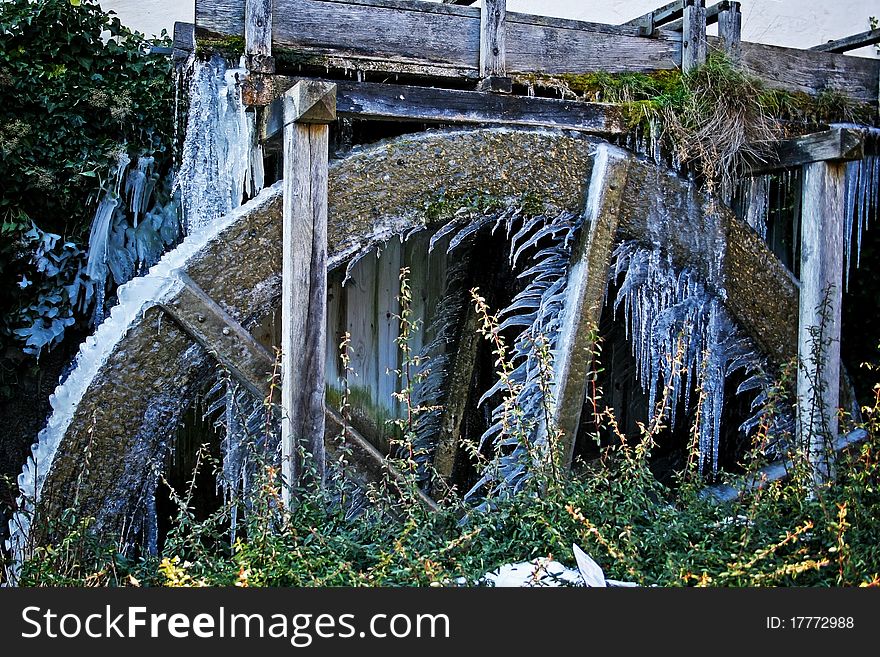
[730, 30]
[258, 36]
[693, 37]
[818, 383]
[493, 53]
[308, 109]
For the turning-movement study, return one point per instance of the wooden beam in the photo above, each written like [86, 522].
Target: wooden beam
[649, 22]
[387, 102]
[839, 144]
[730, 30]
[775, 471]
[258, 36]
[251, 364]
[821, 276]
[492, 44]
[437, 40]
[304, 285]
[853, 42]
[713, 14]
[693, 38]
[184, 43]
[221, 335]
[463, 3]
[458, 391]
[587, 282]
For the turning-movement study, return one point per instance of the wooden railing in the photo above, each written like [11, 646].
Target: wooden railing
[444, 40]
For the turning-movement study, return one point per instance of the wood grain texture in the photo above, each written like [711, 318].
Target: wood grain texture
[730, 30]
[585, 296]
[303, 302]
[431, 105]
[834, 144]
[693, 37]
[258, 36]
[811, 71]
[860, 40]
[821, 276]
[492, 41]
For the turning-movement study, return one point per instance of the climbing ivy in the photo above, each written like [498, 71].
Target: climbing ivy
[78, 90]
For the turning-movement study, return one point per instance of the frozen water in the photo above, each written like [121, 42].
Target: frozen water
[222, 159]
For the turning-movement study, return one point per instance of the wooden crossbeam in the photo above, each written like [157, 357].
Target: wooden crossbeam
[713, 14]
[371, 100]
[776, 471]
[836, 144]
[647, 23]
[251, 364]
[853, 42]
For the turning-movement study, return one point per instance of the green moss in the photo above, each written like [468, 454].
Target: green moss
[371, 419]
[444, 207]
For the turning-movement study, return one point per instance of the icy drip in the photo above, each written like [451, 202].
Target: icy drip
[862, 202]
[159, 285]
[522, 440]
[682, 336]
[222, 160]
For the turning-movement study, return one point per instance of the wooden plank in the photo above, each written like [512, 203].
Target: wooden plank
[821, 276]
[388, 309]
[812, 71]
[459, 386]
[834, 144]
[713, 14]
[444, 40]
[258, 36]
[371, 100]
[184, 44]
[653, 19]
[221, 335]
[730, 30]
[303, 299]
[853, 42]
[492, 43]
[588, 276]
[361, 321]
[775, 471]
[693, 39]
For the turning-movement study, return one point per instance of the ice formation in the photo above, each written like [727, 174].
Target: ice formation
[222, 160]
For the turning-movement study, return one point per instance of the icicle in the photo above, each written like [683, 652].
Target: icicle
[681, 334]
[221, 161]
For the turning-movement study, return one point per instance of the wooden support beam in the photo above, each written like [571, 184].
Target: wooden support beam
[184, 43]
[458, 390]
[493, 50]
[251, 364]
[258, 36]
[307, 107]
[694, 46]
[218, 332]
[649, 22]
[713, 14]
[853, 42]
[463, 3]
[587, 281]
[388, 102]
[834, 144]
[821, 276]
[775, 471]
[730, 30]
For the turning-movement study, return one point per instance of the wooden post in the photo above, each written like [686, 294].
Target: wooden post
[258, 36]
[730, 30]
[818, 382]
[309, 106]
[493, 53]
[587, 282]
[693, 37]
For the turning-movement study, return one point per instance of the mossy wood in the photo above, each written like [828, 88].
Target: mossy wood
[443, 41]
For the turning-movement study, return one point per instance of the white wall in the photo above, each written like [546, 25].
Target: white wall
[795, 23]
